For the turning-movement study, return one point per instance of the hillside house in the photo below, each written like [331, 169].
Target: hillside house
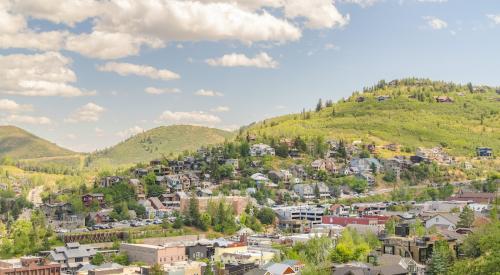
[444, 99]
[383, 98]
[484, 152]
[305, 191]
[323, 189]
[360, 99]
[110, 181]
[260, 179]
[258, 150]
[318, 165]
[339, 210]
[233, 162]
[443, 220]
[88, 199]
[364, 165]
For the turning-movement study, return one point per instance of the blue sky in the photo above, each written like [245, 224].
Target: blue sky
[77, 73]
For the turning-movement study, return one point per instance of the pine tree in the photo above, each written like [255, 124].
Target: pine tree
[319, 106]
[466, 218]
[441, 259]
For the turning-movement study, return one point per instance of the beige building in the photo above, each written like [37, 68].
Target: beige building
[238, 203]
[185, 268]
[232, 249]
[154, 254]
[247, 257]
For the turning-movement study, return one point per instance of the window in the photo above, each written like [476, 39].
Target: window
[78, 259]
[389, 250]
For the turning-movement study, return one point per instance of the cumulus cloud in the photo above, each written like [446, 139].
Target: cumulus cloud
[435, 23]
[494, 17]
[105, 45]
[361, 3]
[21, 119]
[46, 74]
[130, 132]
[194, 21]
[194, 117]
[43, 41]
[318, 13]
[120, 28]
[124, 69]
[159, 91]
[203, 92]
[220, 109]
[261, 60]
[89, 112]
[58, 11]
[13, 107]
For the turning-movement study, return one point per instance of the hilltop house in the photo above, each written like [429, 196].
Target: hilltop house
[484, 152]
[444, 99]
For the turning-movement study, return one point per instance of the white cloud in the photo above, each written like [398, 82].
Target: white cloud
[261, 60]
[44, 41]
[319, 13]
[38, 120]
[130, 132]
[120, 28]
[13, 107]
[361, 3]
[159, 91]
[46, 74]
[203, 92]
[57, 11]
[494, 17]
[14, 32]
[195, 118]
[124, 69]
[71, 136]
[220, 109]
[435, 23]
[194, 21]
[89, 112]
[104, 45]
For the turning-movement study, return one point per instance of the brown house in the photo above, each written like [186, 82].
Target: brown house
[88, 199]
[29, 265]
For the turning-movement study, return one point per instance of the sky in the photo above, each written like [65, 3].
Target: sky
[87, 74]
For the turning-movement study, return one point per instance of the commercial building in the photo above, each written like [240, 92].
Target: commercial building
[29, 265]
[154, 254]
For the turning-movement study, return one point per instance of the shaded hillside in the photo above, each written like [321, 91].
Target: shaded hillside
[411, 116]
[158, 142]
[17, 143]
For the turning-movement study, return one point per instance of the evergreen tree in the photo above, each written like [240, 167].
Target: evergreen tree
[194, 212]
[319, 106]
[466, 218]
[441, 259]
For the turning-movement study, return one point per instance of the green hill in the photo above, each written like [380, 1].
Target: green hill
[156, 143]
[17, 143]
[411, 117]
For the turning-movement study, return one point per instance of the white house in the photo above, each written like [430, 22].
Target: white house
[261, 150]
[447, 221]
